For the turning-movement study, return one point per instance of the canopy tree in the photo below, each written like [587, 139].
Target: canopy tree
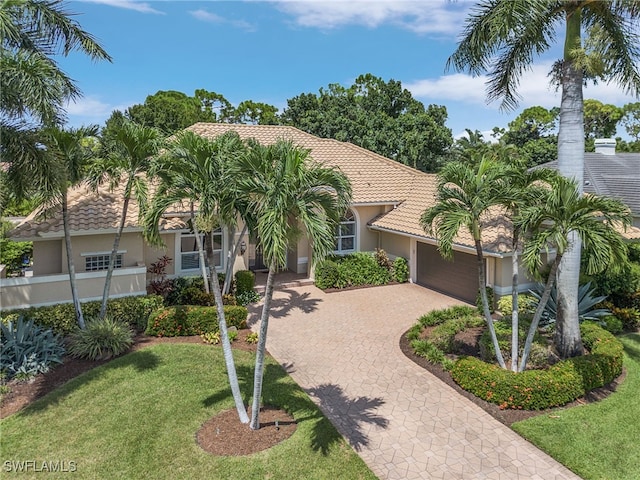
[289, 194]
[601, 41]
[380, 116]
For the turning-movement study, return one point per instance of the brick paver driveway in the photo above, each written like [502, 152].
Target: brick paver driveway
[342, 348]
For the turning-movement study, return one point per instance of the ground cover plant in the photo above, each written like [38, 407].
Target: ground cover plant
[599, 440]
[137, 416]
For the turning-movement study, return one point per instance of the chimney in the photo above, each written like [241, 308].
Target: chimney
[606, 146]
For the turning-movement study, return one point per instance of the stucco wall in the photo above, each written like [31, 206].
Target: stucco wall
[152, 254]
[367, 240]
[130, 242]
[395, 245]
[503, 275]
[47, 257]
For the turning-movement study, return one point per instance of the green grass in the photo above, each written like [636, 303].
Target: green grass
[601, 440]
[136, 417]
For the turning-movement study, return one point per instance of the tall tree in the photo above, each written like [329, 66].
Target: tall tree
[197, 170]
[34, 88]
[502, 37]
[380, 116]
[563, 209]
[600, 119]
[61, 165]
[289, 194]
[631, 120]
[127, 162]
[466, 193]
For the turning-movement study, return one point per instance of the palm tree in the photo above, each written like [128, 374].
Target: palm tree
[62, 161]
[522, 187]
[595, 220]
[34, 88]
[284, 184]
[502, 37]
[466, 193]
[197, 170]
[128, 161]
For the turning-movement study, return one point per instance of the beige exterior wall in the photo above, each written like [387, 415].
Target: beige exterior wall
[502, 277]
[47, 257]
[22, 292]
[152, 254]
[130, 242]
[395, 245]
[367, 240]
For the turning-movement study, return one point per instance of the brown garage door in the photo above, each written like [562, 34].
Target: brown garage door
[458, 278]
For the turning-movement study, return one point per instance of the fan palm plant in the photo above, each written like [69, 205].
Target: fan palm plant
[289, 194]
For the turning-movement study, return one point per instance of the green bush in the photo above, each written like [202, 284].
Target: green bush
[400, 270]
[245, 281]
[61, 318]
[633, 250]
[503, 333]
[101, 339]
[193, 320]
[326, 274]
[245, 298]
[12, 254]
[538, 389]
[619, 284]
[490, 298]
[526, 304]
[27, 349]
[630, 318]
[196, 296]
[612, 324]
[361, 268]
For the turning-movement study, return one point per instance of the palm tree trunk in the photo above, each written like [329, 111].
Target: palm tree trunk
[538, 313]
[571, 164]
[514, 303]
[114, 252]
[260, 350]
[70, 264]
[201, 262]
[224, 339]
[485, 304]
[231, 259]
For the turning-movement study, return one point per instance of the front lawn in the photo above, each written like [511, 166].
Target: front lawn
[137, 416]
[600, 440]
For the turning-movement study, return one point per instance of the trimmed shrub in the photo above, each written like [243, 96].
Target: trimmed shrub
[61, 318]
[326, 274]
[361, 268]
[196, 296]
[526, 304]
[193, 320]
[612, 324]
[538, 389]
[400, 270]
[245, 281]
[27, 349]
[102, 339]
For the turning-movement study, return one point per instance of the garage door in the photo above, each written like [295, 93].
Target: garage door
[458, 278]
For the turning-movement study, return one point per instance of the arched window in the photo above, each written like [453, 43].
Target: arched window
[346, 234]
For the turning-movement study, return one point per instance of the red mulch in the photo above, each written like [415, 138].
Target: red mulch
[467, 342]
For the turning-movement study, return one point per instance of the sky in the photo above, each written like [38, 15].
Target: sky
[271, 51]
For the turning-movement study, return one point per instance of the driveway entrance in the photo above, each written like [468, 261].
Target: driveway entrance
[343, 349]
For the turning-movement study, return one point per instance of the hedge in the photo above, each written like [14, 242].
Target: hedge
[538, 389]
[360, 268]
[193, 320]
[61, 318]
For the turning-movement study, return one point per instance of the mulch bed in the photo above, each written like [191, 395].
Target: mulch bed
[468, 344]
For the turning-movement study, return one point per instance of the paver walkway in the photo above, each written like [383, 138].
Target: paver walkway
[343, 349]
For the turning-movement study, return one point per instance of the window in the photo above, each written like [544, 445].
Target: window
[93, 263]
[189, 257]
[346, 234]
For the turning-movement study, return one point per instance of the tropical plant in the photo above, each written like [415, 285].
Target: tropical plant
[128, 160]
[27, 349]
[502, 37]
[34, 87]
[588, 304]
[548, 223]
[283, 183]
[103, 338]
[197, 169]
[466, 193]
[61, 166]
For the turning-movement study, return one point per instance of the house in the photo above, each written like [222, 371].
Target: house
[388, 200]
[612, 174]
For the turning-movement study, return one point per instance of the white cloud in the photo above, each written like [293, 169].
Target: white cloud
[435, 17]
[534, 89]
[142, 7]
[206, 16]
[91, 109]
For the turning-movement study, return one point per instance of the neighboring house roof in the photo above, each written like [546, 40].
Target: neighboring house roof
[615, 176]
